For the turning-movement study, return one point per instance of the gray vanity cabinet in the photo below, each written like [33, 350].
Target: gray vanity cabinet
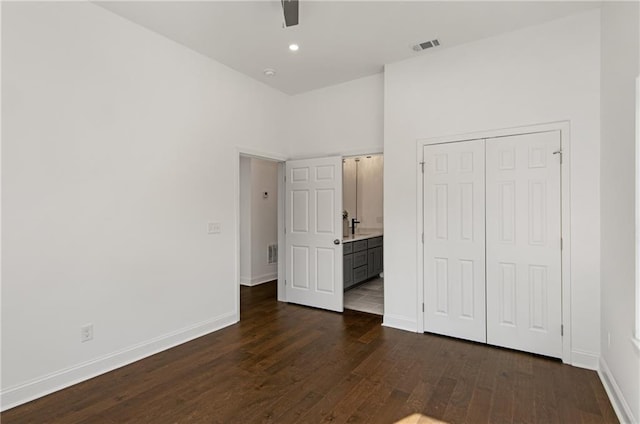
[374, 262]
[374, 256]
[359, 259]
[347, 271]
[362, 260]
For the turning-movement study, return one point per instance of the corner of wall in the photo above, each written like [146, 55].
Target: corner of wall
[619, 403]
[587, 360]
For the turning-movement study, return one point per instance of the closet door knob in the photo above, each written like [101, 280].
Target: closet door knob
[336, 241]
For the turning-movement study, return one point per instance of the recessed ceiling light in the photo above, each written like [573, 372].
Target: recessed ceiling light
[269, 72]
[294, 47]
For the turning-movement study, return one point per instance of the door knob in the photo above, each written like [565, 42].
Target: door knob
[336, 241]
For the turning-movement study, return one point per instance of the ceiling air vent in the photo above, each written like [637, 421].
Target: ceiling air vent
[426, 45]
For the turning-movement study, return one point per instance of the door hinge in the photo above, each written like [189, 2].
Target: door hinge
[422, 166]
[423, 307]
[285, 282]
[562, 330]
[559, 152]
[561, 243]
[422, 238]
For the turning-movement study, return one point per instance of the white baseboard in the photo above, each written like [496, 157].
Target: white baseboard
[620, 405]
[42, 386]
[583, 359]
[399, 322]
[260, 279]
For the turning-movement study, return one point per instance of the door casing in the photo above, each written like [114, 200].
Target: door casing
[265, 155]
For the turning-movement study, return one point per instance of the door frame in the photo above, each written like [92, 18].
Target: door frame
[280, 160]
[565, 217]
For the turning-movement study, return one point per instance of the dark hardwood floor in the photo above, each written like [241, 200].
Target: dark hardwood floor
[290, 364]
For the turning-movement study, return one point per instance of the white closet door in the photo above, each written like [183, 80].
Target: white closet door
[524, 309]
[314, 232]
[454, 249]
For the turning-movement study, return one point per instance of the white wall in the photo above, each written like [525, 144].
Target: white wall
[540, 74]
[342, 119]
[620, 67]
[264, 219]
[118, 147]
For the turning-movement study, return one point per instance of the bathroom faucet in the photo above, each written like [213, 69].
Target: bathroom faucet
[353, 225]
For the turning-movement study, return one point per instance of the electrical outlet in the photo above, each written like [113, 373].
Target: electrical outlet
[214, 228]
[86, 333]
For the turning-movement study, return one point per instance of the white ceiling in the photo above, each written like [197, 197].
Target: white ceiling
[339, 40]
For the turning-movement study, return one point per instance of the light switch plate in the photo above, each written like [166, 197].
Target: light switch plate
[214, 228]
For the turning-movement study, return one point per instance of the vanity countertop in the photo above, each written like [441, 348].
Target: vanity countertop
[367, 235]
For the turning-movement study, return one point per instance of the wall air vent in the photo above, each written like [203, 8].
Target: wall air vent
[273, 254]
[426, 45]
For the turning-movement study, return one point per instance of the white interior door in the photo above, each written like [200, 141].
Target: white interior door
[524, 292]
[313, 189]
[454, 248]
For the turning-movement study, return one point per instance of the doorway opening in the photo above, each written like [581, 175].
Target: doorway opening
[311, 228]
[363, 232]
[259, 212]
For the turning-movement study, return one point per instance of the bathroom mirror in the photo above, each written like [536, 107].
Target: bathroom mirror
[362, 191]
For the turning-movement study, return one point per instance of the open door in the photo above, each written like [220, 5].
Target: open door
[313, 232]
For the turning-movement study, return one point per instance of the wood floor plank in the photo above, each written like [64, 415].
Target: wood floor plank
[439, 400]
[502, 401]
[479, 406]
[456, 411]
[545, 400]
[323, 410]
[284, 363]
[392, 412]
[523, 393]
[417, 400]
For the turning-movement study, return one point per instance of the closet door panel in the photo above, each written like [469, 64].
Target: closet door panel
[524, 291]
[454, 261]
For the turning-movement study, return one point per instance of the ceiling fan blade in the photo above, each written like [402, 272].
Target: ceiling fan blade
[290, 9]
